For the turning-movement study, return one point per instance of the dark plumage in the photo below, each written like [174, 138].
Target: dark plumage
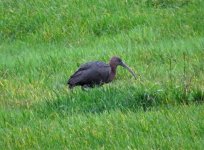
[96, 73]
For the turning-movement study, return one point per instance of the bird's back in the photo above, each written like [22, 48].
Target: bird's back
[90, 73]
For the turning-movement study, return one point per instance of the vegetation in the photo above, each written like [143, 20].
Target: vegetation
[43, 43]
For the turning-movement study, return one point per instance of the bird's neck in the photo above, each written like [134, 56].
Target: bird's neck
[113, 72]
[113, 68]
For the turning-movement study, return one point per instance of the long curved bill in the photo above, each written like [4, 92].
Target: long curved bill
[128, 68]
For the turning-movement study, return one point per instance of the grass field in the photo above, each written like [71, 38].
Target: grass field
[44, 42]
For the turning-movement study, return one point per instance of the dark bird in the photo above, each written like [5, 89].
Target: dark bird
[96, 73]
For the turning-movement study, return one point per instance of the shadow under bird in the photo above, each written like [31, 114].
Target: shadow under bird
[96, 73]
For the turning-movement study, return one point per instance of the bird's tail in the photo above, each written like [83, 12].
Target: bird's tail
[70, 85]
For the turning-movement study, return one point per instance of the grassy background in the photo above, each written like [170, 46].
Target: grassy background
[43, 43]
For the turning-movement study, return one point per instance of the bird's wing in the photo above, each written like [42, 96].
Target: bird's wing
[103, 71]
[79, 72]
[101, 64]
[89, 71]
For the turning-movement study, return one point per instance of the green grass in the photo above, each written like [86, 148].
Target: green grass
[173, 128]
[44, 42]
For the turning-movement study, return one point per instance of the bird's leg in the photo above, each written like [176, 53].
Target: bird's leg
[85, 87]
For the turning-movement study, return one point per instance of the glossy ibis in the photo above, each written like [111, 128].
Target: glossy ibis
[96, 73]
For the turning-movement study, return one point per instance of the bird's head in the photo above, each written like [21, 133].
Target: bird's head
[116, 61]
